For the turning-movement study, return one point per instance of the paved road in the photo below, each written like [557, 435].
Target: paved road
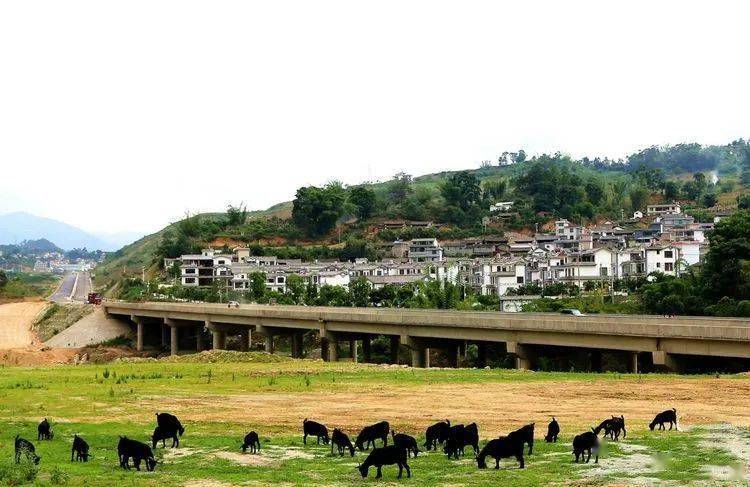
[84, 287]
[62, 295]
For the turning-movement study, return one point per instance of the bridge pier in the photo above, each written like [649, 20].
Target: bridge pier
[218, 335]
[199, 338]
[666, 360]
[164, 338]
[353, 350]
[244, 340]
[268, 333]
[395, 343]
[482, 354]
[173, 339]
[524, 355]
[297, 345]
[633, 362]
[138, 332]
[366, 351]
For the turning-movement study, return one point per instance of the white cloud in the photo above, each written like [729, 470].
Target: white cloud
[120, 116]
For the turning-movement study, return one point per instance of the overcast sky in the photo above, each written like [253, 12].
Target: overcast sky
[120, 116]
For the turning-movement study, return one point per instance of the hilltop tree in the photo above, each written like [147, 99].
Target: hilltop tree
[462, 192]
[594, 191]
[495, 190]
[236, 215]
[400, 187]
[316, 210]
[363, 200]
[709, 200]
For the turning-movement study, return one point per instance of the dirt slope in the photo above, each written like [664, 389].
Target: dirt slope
[15, 324]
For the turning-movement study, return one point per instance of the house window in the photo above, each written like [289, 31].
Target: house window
[519, 279]
[667, 254]
[189, 280]
[658, 265]
[668, 266]
[603, 271]
[189, 271]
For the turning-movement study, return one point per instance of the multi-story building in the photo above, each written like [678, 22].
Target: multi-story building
[664, 209]
[425, 250]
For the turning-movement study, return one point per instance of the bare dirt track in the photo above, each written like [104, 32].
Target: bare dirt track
[497, 407]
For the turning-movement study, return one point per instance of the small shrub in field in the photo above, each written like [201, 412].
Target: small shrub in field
[18, 474]
[307, 380]
[105, 374]
[58, 477]
[272, 380]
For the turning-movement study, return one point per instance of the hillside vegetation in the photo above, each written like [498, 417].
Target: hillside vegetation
[335, 221]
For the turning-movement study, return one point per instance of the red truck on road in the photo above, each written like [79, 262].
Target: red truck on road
[94, 298]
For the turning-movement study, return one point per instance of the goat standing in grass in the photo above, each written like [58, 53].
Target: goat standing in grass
[503, 447]
[437, 434]
[251, 442]
[388, 455]
[668, 416]
[341, 440]
[553, 430]
[587, 442]
[408, 443]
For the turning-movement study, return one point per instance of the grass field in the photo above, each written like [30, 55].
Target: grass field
[220, 402]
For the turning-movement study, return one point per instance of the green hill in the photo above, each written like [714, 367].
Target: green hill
[338, 222]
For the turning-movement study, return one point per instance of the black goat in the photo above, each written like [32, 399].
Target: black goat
[612, 427]
[471, 438]
[586, 442]
[437, 434]
[668, 416]
[169, 425]
[503, 447]
[313, 428]
[341, 441]
[26, 448]
[127, 449]
[79, 451]
[43, 431]
[454, 445]
[525, 434]
[369, 434]
[162, 435]
[388, 455]
[553, 430]
[408, 443]
[252, 442]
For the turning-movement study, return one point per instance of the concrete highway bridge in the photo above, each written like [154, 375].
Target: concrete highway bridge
[664, 339]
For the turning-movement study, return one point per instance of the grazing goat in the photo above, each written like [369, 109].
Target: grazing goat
[169, 427]
[408, 443]
[43, 431]
[127, 449]
[503, 447]
[341, 441]
[471, 438]
[80, 450]
[437, 434]
[388, 455]
[553, 430]
[252, 442]
[525, 434]
[668, 416]
[26, 448]
[612, 427]
[586, 442]
[369, 434]
[159, 434]
[454, 445]
[312, 428]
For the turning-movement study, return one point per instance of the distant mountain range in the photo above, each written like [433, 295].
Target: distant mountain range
[19, 226]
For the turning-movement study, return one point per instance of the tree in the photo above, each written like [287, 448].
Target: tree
[726, 270]
[400, 187]
[3, 278]
[333, 296]
[638, 198]
[359, 290]
[363, 199]
[295, 288]
[494, 189]
[594, 191]
[743, 202]
[709, 200]
[258, 285]
[671, 190]
[236, 215]
[316, 210]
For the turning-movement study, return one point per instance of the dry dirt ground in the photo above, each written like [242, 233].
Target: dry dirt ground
[15, 323]
[502, 406]
[19, 345]
[89, 330]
